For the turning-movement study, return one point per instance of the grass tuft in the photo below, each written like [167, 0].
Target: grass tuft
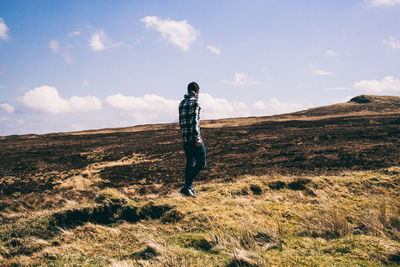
[299, 184]
[110, 195]
[330, 223]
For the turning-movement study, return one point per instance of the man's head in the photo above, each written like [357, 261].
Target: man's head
[193, 87]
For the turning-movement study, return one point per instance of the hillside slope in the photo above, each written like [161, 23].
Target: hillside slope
[315, 187]
[39, 171]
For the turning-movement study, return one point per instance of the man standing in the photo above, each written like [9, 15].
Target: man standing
[193, 145]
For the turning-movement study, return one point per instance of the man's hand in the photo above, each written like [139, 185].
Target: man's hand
[198, 143]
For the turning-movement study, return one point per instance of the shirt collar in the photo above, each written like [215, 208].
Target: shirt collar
[191, 94]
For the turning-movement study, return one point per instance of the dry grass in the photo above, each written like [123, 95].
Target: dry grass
[56, 208]
[328, 224]
[349, 219]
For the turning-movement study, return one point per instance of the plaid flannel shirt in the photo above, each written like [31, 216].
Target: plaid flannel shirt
[189, 117]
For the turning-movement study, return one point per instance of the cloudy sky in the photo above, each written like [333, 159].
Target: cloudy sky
[74, 65]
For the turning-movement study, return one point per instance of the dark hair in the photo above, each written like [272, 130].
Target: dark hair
[193, 87]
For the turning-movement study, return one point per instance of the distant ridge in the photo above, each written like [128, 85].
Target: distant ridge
[359, 105]
[376, 99]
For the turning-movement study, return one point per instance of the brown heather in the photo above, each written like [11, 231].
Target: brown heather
[314, 188]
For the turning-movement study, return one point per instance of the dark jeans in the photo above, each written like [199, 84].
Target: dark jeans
[195, 161]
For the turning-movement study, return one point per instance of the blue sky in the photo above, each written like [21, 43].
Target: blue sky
[75, 65]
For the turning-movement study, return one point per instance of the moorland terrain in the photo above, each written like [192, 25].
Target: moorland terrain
[315, 187]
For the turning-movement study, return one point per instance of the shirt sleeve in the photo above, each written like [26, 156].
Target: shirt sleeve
[196, 132]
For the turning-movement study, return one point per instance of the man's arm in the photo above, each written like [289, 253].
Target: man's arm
[197, 124]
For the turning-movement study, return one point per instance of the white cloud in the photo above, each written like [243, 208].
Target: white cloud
[383, 2]
[329, 52]
[274, 106]
[375, 86]
[155, 109]
[241, 79]
[3, 30]
[214, 50]
[97, 41]
[283, 107]
[7, 107]
[215, 108]
[147, 109]
[47, 100]
[55, 47]
[72, 34]
[392, 43]
[321, 72]
[259, 105]
[146, 103]
[179, 33]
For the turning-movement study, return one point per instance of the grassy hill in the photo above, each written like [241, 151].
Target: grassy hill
[352, 219]
[316, 187]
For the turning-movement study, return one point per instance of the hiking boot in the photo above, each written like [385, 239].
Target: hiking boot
[188, 192]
